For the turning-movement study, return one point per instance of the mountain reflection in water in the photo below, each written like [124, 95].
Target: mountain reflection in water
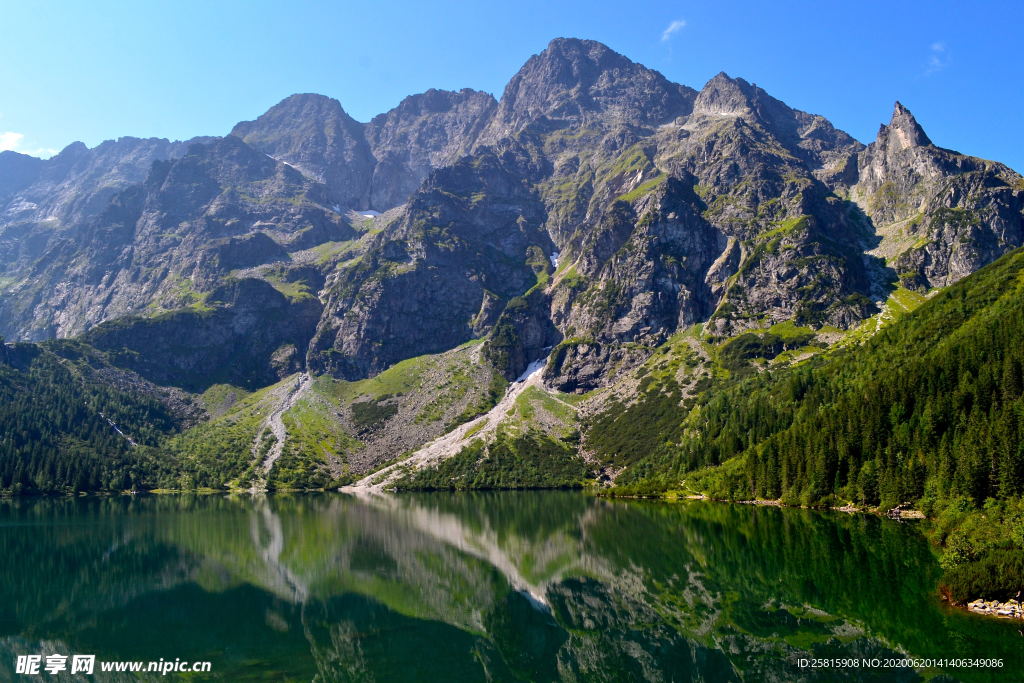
[529, 586]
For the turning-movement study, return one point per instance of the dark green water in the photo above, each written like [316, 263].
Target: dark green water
[477, 587]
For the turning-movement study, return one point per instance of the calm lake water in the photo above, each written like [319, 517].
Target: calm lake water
[528, 586]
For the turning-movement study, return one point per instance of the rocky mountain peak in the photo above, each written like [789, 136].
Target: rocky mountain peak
[423, 132]
[810, 138]
[583, 82]
[725, 96]
[434, 102]
[940, 214]
[72, 151]
[375, 165]
[298, 107]
[903, 131]
[17, 171]
[75, 184]
[314, 134]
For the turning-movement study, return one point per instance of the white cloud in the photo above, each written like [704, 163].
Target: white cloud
[9, 141]
[42, 152]
[673, 28]
[937, 59]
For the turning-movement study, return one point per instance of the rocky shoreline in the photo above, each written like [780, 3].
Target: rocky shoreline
[1011, 609]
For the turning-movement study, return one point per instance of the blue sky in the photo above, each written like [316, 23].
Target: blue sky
[93, 71]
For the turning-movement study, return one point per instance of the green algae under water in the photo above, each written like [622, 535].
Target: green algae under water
[524, 586]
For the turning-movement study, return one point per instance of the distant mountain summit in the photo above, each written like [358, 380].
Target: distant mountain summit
[810, 138]
[375, 165]
[582, 82]
[313, 134]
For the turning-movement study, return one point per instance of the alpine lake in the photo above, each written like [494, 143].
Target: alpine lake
[511, 586]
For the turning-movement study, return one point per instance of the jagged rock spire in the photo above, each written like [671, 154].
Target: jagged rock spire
[903, 131]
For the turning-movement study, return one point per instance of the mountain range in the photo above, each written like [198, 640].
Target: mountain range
[378, 285]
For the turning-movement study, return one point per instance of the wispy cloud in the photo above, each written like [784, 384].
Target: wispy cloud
[938, 58]
[11, 141]
[42, 152]
[673, 28]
